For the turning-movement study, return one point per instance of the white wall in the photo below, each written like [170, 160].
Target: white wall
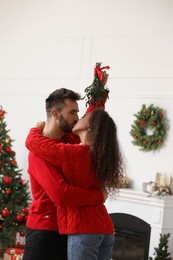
[47, 44]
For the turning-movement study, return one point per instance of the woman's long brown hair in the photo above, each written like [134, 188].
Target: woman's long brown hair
[102, 137]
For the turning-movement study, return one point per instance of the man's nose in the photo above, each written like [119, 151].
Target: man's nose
[76, 118]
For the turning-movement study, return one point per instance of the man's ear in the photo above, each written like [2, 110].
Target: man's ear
[55, 113]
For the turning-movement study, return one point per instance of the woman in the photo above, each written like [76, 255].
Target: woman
[92, 164]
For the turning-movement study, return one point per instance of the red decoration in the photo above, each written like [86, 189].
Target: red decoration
[142, 123]
[25, 218]
[8, 150]
[7, 179]
[17, 245]
[22, 234]
[7, 191]
[5, 212]
[19, 217]
[154, 123]
[2, 112]
[0, 225]
[14, 162]
[24, 210]
[98, 71]
[159, 142]
[21, 181]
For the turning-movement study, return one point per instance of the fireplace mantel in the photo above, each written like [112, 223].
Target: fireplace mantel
[156, 211]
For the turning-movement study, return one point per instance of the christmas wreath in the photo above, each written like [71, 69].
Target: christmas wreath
[150, 128]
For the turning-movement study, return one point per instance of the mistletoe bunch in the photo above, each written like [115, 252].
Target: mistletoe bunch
[97, 92]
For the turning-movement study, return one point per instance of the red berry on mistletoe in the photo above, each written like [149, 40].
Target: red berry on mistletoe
[7, 179]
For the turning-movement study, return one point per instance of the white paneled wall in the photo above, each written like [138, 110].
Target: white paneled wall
[45, 45]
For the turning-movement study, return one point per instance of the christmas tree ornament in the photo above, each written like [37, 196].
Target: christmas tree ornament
[19, 217]
[7, 180]
[5, 212]
[149, 129]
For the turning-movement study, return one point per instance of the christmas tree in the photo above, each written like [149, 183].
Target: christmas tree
[161, 252]
[14, 192]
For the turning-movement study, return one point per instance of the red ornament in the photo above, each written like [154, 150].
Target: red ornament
[159, 142]
[7, 179]
[142, 123]
[145, 111]
[161, 115]
[7, 191]
[154, 123]
[136, 137]
[5, 212]
[0, 147]
[17, 245]
[25, 218]
[145, 142]
[19, 217]
[21, 181]
[22, 234]
[2, 112]
[0, 226]
[24, 210]
[8, 149]
[14, 162]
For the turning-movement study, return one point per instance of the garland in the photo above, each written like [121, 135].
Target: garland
[150, 128]
[96, 93]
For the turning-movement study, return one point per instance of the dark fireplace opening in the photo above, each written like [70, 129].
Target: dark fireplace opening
[132, 237]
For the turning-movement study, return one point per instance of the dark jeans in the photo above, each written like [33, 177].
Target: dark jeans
[45, 245]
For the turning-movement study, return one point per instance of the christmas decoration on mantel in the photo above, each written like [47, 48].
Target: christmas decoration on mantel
[14, 191]
[150, 128]
[161, 252]
[97, 92]
[162, 186]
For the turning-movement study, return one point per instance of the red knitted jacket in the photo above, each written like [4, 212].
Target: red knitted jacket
[76, 164]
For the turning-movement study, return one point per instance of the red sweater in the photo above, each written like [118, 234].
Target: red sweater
[49, 188]
[76, 163]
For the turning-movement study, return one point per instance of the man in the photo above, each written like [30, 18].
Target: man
[43, 242]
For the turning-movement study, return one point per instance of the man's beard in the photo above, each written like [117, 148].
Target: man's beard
[64, 125]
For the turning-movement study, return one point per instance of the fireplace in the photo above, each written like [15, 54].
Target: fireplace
[132, 237]
[154, 215]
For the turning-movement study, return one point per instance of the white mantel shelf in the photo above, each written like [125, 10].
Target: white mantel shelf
[144, 198]
[156, 211]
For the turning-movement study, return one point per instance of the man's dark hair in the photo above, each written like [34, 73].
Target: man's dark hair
[57, 99]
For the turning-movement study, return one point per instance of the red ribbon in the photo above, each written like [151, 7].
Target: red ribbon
[98, 71]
